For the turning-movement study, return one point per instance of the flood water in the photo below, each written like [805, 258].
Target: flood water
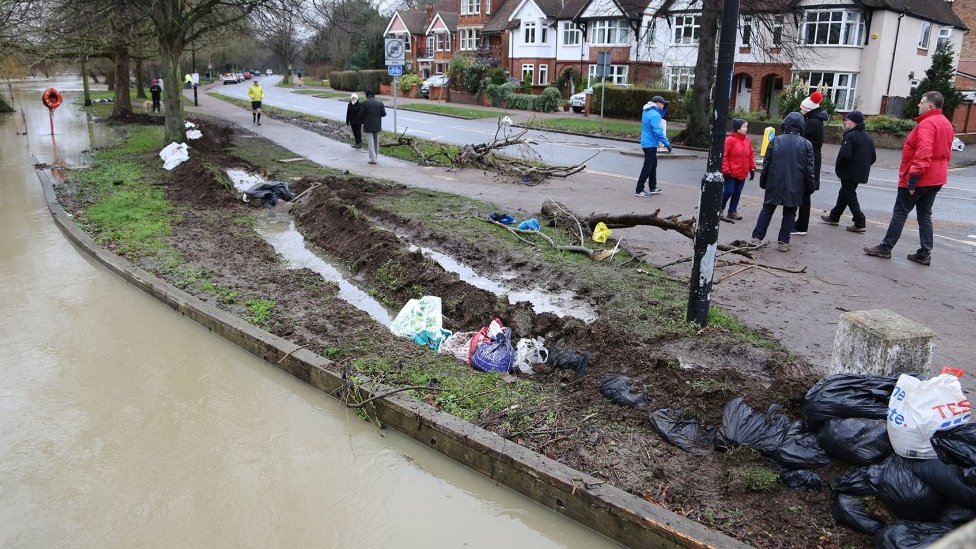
[123, 424]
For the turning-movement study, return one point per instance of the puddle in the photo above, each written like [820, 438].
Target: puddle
[279, 230]
[562, 304]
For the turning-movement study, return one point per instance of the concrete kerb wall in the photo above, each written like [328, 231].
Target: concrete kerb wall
[610, 511]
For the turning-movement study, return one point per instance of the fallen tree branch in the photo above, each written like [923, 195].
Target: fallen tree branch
[388, 393]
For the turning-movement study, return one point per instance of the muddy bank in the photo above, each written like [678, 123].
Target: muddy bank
[359, 224]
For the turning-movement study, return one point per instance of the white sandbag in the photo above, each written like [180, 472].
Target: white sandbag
[529, 352]
[194, 134]
[173, 155]
[917, 409]
[189, 124]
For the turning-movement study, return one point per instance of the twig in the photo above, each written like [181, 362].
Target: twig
[507, 228]
[388, 393]
[289, 353]
[314, 186]
[730, 275]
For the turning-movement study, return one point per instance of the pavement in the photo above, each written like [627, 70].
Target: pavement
[799, 309]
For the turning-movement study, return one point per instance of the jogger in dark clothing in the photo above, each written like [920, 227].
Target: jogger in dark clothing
[853, 167]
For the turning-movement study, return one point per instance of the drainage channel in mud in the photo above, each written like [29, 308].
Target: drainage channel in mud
[562, 304]
[279, 230]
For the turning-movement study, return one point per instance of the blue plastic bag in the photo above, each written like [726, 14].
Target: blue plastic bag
[504, 219]
[496, 356]
[529, 225]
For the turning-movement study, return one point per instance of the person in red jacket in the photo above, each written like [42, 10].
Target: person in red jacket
[738, 161]
[924, 170]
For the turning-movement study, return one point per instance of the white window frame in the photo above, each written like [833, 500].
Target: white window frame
[778, 30]
[468, 39]
[606, 32]
[443, 41]
[686, 29]
[841, 87]
[487, 7]
[529, 31]
[430, 45]
[617, 75]
[650, 30]
[925, 35]
[945, 34]
[679, 79]
[571, 34]
[745, 31]
[470, 7]
[406, 42]
[529, 69]
[832, 27]
[543, 74]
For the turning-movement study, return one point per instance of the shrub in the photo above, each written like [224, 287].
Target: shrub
[371, 79]
[408, 81]
[791, 97]
[628, 102]
[564, 78]
[344, 80]
[498, 92]
[547, 101]
[496, 76]
[889, 124]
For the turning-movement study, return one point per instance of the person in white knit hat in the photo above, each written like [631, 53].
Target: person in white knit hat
[813, 117]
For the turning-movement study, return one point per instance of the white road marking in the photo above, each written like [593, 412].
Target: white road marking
[973, 244]
[972, 236]
[608, 174]
[479, 132]
[418, 131]
[895, 189]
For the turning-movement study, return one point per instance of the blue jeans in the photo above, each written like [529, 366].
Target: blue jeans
[649, 171]
[921, 202]
[766, 215]
[733, 190]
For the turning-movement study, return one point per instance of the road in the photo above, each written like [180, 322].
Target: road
[954, 214]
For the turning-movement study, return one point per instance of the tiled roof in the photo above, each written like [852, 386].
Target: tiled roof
[499, 21]
[450, 19]
[571, 8]
[937, 11]
[414, 20]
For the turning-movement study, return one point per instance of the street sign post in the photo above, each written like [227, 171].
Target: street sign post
[395, 70]
[393, 48]
[602, 68]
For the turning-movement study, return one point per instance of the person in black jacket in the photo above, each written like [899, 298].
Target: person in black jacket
[373, 113]
[813, 129]
[354, 119]
[155, 91]
[853, 167]
[787, 176]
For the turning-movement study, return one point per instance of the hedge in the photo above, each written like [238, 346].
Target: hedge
[359, 80]
[629, 102]
[344, 80]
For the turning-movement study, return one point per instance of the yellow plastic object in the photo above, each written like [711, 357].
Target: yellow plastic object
[601, 232]
[768, 135]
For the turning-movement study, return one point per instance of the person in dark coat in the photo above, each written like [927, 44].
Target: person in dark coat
[853, 167]
[373, 113]
[814, 118]
[788, 175]
[354, 119]
[155, 91]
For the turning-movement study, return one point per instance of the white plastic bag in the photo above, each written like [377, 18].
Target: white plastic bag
[416, 316]
[173, 155]
[529, 352]
[457, 344]
[194, 134]
[957, 144]
[917, 409]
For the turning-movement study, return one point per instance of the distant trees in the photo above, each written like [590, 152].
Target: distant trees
[939, 77]
[349, 34]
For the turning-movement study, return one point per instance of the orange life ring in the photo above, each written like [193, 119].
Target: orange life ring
[51, 98]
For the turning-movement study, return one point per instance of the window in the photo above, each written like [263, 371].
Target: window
[543, 75]
[610, 31]
[467, 39]
[832, 27]
[839, 86]
[746, 30]
[487, 7]
[528, 36]
[944, 34]
[616, 75]
[528, 73]
[406, 42]
[687, 29]
[443, 41]
[470, 7]
[680, 78]
[571, 35]
[430, 46]
[777, 30]
[924, 34]
[650, 32]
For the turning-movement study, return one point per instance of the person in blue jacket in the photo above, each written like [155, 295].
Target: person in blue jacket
[652, 136]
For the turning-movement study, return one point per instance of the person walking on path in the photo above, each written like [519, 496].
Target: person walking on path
[786, 176]
[814, 117]
[155, 91]
[652, 136]
[354, 119]
[373, 113]
[924, 170]
[256, 93]
[853, 166]
[738, 161]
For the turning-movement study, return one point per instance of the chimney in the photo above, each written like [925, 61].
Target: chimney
[428, 13]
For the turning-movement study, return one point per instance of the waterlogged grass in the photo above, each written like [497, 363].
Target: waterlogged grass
[460, 112]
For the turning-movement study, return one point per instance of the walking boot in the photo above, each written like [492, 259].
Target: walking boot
[826, 219]
[878, 251]
[920, 258]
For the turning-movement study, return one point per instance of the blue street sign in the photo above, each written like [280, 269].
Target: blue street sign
[395, 70]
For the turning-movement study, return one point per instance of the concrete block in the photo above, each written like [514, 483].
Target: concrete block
[881, 342]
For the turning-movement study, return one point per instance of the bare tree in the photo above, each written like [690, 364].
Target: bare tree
[347, 29]
[279, 28]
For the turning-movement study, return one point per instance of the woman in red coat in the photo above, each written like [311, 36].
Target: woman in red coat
[738, 160]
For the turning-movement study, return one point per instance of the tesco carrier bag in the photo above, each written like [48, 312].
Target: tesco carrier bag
[917, 409]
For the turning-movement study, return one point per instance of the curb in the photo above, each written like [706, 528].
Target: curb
[621, 516]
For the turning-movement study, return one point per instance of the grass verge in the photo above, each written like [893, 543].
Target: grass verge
[460, 112]
[591, 126]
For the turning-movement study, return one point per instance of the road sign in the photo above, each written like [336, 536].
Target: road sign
[602, 64]
[393, 47]
[394, 70]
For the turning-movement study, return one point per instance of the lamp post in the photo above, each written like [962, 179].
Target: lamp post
[712, 184]
[193, 61]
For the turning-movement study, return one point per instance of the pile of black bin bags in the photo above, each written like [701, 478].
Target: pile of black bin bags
[845, 420]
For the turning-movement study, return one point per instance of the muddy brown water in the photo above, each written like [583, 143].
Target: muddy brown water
[125, 425]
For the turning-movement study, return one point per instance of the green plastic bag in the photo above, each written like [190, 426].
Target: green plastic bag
[421, 320]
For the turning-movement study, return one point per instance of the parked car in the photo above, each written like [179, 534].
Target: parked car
[436, 81]
[240, 76]
[578, 101]
[247, 75]
[229, 78]
[268, 72]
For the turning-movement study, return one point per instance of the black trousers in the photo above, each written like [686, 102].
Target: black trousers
[155, 104]
[357, 133]
[803, 215]
[847, 198]
[766, 215]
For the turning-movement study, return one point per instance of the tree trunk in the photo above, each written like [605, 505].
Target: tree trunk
[94, 77]
[696, 133]
[120, 52]
[84, 81]
[110, 80]
[140, 79]
[170, 54]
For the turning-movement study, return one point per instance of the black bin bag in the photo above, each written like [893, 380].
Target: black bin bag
[743, 425]
[686, 434]
[855, 440]
[956, 445]
[909, 534]
[848, 395]
[851, 512]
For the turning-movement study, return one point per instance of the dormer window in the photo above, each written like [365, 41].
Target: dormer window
[470, 7]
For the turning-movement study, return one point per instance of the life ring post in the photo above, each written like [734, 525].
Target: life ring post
[52, 99]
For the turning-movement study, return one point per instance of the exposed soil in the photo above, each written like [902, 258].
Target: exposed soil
[349, 219]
